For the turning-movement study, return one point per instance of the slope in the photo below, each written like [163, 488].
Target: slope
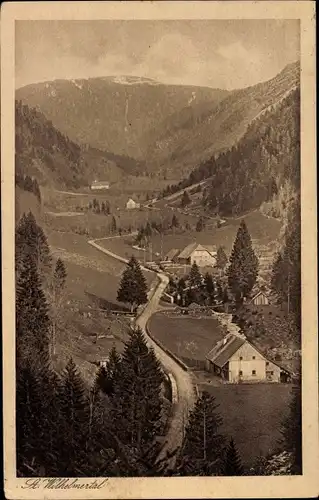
[208, 130]
[44, 152]
[112, 113]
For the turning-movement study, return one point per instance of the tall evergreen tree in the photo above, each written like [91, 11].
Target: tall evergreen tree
[56, 295]
[74, 406]
[32, 318]
[200, 225]
[202, 452]
[175, 222]
[221, 261]
[107, 374]
[232, 464]
[137, 401]
[185, 199]
[113, 225]
[133, 288]
[195, 277]
[243, 269]
[209, 288]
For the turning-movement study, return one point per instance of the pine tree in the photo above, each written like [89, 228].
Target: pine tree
[202, 451]
[195, 277]
[232, 464]
[74, 406]
[56, 295]
[137, 401]
[113, 225]
[221, 261]
[243, 269]
[185, 199]
[175, 222]
[30, 240]
[200, 225]
[108, 373]
[32, 319]
[133, 288]
[292, 430]
[209, 288]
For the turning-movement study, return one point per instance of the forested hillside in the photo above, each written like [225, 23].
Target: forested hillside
[260, 168]
[44, 152]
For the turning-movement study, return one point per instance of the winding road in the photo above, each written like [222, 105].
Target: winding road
[185, 389]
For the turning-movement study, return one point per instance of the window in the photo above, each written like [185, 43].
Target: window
[240, 358]
[267, 363]
[253, 372]
[240, 372]
[271, 373]
[254, 357]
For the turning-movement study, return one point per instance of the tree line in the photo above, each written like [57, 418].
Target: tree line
[28, 183]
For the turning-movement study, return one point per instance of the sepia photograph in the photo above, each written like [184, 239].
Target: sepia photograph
[158, 219]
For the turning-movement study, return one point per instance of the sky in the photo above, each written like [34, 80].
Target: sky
[226, 54]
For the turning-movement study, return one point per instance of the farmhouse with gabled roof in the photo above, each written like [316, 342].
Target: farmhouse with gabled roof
[235, 359]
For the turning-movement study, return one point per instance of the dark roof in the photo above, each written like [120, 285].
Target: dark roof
[224, 351]
[171, 254]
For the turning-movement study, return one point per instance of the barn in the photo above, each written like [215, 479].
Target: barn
[260, 299]
[202, 255]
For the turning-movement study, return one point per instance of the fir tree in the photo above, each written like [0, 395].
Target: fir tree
[200, 225]
[175, 222]
[195, 277]
[137, 401]
[203, 447]
[221, 261]
[232, 463]
[243, 269]
[133, 289]
[74, 406]
[108, 373]
[209, 288]
[56, 295]
[185, 199]
[113, 225]
[32, 319]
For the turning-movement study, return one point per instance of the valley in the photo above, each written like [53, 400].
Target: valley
[200, 185]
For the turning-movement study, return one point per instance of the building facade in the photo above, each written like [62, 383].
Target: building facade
[131, 204]
[260, 299]
[99, 185]
[236, 360]
[204, 256]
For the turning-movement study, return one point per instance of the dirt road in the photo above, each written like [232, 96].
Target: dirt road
[185, 389]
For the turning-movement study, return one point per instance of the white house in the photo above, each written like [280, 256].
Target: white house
[203, 255]
[100, 185]
[131, 204]
[237, 360]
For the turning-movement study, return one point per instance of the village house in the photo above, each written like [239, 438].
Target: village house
[99, 185]
[236, 360]
[203, 255]
[131, 204]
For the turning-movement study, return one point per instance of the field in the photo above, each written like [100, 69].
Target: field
[264, 233]
[252, 415]
[185, 336]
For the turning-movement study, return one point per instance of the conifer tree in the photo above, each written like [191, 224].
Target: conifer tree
[221, 261]
[243, 269]
[200, 225]
[74, 407]
[113, 225]
[32, 319]
[137, 401]
[232, 464]
[209, 288]
[56, 295]
[202, 451]
[175, 222]
[185, 199]
[195, 277]
[107, 374]
[132, 289]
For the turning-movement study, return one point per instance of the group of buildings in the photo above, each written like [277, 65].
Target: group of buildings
[105, 185]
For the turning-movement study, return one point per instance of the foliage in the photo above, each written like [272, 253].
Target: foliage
[232, 464]
[221, 261]
[195, 277]
[200, 225]
[132, 289]
[185, 199]
[203, 447]
[292, 431]
[243, 269]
